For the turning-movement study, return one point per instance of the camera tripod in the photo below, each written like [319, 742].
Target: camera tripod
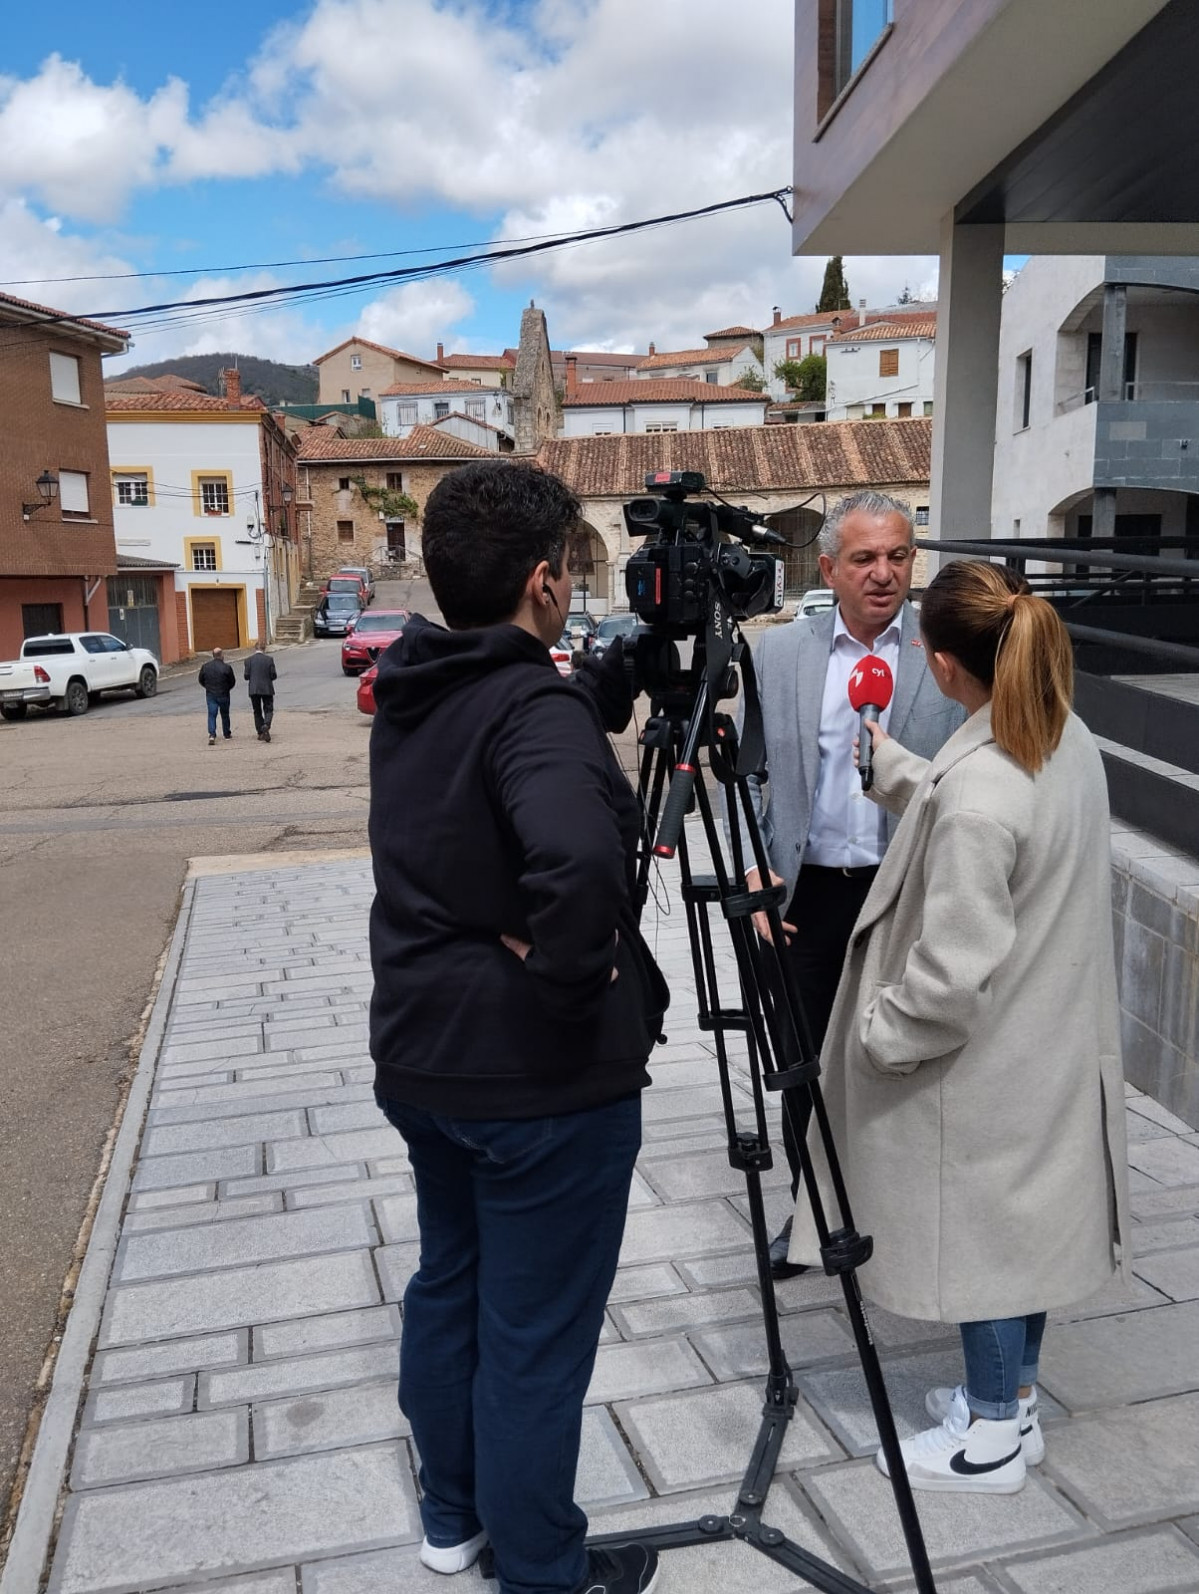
[781, 1057]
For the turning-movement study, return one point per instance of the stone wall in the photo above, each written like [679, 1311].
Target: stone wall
[328, 504]
[1155, 902]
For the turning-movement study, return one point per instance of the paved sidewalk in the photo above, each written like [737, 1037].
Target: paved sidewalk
[238, 1428]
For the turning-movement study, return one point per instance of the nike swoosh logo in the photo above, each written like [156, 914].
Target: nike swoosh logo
[972, 1469]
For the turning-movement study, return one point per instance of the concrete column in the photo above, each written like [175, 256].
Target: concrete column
[1103, 512]
[966, 389]
[1111, 359]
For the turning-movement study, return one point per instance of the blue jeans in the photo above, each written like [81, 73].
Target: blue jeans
[217, 705]
[520, 1228]
[1001, 1356]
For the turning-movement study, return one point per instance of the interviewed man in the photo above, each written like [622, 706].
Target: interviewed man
[824, 839]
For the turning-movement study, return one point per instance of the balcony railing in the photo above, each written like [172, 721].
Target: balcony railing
[1153, 392]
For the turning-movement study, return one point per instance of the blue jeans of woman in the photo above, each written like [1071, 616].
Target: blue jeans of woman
[218, 705]
[520, 1230]
[1001, 1357]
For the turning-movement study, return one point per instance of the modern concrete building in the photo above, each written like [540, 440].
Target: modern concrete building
[1097, 426]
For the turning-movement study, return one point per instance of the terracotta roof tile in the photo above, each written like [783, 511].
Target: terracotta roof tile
[749, 458]
[379, 348]
[477, 362]
[423, 442]
[733, 332]
[458, 415]
[169, 382]
[63, 316]
[655, 362]
[595, 357]
[183, 403]
[660, 390]
[451, 384]
[889, 331]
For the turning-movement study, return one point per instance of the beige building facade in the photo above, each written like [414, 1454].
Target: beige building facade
[359, 369]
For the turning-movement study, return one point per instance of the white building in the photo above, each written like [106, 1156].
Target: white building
[408, 404]
[794, 337]
[1098, 404]
[603, 409]
[719, 366]
[881, 371]
[205, 484]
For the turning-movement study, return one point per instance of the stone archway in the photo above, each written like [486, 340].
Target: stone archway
[802, 554]
[591, 576]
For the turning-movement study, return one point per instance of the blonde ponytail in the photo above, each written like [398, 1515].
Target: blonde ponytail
[1012, 642]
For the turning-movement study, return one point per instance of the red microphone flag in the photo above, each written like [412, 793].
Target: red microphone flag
[871, 684]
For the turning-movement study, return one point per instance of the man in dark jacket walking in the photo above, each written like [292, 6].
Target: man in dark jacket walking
[260, 672]
[515, 1005]
[218, 680]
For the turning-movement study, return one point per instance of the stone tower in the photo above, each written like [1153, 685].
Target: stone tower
[535, 406]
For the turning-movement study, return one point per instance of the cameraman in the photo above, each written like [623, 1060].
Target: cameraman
[515, 1005]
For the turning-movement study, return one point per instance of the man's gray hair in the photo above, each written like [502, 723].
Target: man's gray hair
[218, 653]
[866, 503]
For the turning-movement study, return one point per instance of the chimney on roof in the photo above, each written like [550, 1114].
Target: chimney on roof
[572, 372]
[651, 348]
[232, 383]
[778, 315]
[861, 312]
[440, 352]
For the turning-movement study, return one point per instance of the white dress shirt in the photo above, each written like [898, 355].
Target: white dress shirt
[847, 830]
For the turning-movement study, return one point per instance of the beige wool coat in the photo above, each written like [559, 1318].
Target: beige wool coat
[972, 1062]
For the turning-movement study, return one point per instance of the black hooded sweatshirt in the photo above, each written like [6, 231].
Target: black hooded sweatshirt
[498, 808]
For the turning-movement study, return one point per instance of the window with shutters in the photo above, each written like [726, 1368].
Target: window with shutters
[345, 531]
[73, 500]
[405, 414]
[64, 379]
[395, 481]
[888, 362]
[440, 410]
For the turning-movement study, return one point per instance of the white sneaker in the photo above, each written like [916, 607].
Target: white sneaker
[937, 1403]
[962, 1456]
[455, 1557]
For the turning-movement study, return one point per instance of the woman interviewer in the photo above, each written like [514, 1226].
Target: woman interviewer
[973, 1054]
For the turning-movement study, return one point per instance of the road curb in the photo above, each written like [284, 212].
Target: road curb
[36, 1515]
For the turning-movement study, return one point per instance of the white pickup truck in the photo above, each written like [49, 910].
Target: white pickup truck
[70, 671]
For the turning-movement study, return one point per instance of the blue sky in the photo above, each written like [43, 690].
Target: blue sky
[154, 138]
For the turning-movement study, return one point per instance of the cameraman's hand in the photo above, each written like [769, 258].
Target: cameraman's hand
[753, 882]
[877, 737]
[607, 681]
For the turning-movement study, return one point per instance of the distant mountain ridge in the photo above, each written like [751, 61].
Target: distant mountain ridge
[272, 382]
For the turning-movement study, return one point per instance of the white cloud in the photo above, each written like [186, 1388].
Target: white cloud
[415, 316]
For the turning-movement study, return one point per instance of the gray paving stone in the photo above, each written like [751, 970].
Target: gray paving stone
[679, 1312]
[856, 1502]
[703, 1173]
[328, 1419]
[641, 1193]
[1137, 1129]
[183, 1195]
[1139, 1464]
[687, 1441]
[326, 1333]
[302, 1179]
[137, 1536]
[1156, 1113]
[673, 1139]
[196, 1442]
[330, 1150]
[172, 1356]
[1174, 1272]
[397, 1219]
[645, 1283]
[298, 1375]
[1169, 1234]
[1168, 1161]
[726, 1568]
[397, 1264]
[1114, 1300]
[236, 1131]
[270, 1292]
[253, 1206]
[607, 1474]
[668, 1106]
[167, 1396]
[278, 1237]
[1109, 1361]
[739, 1351]
[252, 1096]
[398, 1569]
[215, 1050]
[1190, 1526]
[281, 1582]
[623, 1372]
[839, 1395]
[684, 1068]
[192, 1167]
[1160, 1203]
[691, 1229]
[349, 1115]
[891, 1331]
[1136, 1563]
[320, 1195]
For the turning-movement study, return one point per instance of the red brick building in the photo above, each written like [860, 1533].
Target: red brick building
[57, 548]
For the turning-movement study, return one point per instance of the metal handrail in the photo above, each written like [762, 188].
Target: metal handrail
[1070, 550]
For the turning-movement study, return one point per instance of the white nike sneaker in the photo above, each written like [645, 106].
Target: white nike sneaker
[964, 1457]
[455, 1557]
[937, 1403]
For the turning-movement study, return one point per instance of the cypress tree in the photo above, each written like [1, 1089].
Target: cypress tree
[834, 295]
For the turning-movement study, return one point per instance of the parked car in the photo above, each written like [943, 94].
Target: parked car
[353, 584]
[71, 671]
[562, 653]
[610, 627]
[373, 632]
[582, 628]
[368, 580]
[336, 612]
[816, 601]
[366, 690]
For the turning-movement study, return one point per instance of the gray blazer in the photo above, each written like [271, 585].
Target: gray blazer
[260, 672]
[791, 662]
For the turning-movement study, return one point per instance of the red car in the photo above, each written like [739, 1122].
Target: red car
[347, 583]
[366, 690]
[371, 634]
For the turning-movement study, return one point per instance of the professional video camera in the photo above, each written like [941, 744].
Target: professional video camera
[679, 582]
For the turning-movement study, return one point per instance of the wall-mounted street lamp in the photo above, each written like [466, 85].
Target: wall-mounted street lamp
[47, 487]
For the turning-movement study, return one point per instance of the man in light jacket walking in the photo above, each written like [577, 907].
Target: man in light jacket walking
[260, 672]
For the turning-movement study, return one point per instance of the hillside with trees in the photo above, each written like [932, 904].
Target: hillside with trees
[272, 382]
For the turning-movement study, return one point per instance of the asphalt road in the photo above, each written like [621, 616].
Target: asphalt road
[98, 818]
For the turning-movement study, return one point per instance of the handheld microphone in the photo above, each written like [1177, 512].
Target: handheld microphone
[870, 687]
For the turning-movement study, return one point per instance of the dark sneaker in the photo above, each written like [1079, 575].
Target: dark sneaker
[780, 1268]
[266, 736]
[620, 1569]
